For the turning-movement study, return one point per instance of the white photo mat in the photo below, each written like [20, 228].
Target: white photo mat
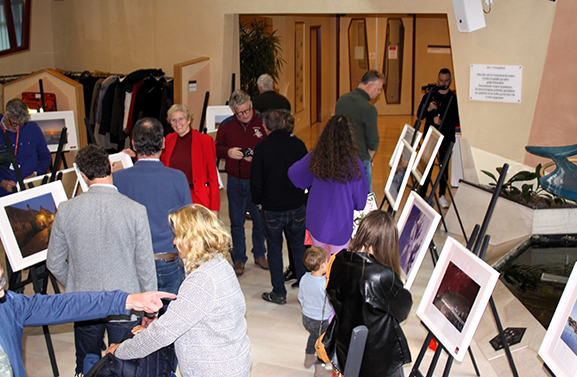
[69, 181]
[461, 284]
[399, 175]
[215, 115]
[559, 347]
[51, 124]
[119, 161]
[427, 154]
[406, 134]
[417, 225]
[31, 235]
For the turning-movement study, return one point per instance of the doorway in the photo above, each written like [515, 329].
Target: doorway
[316, 74]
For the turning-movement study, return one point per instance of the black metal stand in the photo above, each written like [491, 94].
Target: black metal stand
[36, 272]
[59, 155]
[202, 127]
[478, 244]
[89, 131]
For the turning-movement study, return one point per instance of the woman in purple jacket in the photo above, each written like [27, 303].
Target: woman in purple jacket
[336, 177]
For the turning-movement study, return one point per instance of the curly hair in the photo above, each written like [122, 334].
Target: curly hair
[378, 230]
[335, 154]
[199, 235]
[92, 160]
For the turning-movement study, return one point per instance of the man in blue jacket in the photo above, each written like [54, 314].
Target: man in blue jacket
[161, 190]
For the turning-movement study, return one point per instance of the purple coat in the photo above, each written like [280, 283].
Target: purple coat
[331, 204]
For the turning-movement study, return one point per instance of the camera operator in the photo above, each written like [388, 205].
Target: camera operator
[236, 138]
[442, 112]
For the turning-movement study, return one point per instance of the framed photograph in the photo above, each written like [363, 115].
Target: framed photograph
[399, 175]
[417, 225]
[51, 124]
[456, 297]
[69, 181]
[358, 216]
[215, 115]
[559, 347]
[406, 134]
[427, 154]
[119, 161]
[26, 220]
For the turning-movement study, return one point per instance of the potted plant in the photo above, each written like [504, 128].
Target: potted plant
[259, 53]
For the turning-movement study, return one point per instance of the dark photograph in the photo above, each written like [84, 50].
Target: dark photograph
[31, 221]
[456, 295]
[412, 237]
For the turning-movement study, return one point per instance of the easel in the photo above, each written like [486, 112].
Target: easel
[478, 248]
[39, 270]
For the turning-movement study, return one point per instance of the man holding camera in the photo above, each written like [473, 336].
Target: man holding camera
[442, 112]
[236, 138]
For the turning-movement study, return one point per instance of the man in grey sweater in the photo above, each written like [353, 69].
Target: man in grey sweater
[100, 241]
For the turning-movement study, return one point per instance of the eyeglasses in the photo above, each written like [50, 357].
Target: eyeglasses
[10, 122]
[177, 120]
[245, 112]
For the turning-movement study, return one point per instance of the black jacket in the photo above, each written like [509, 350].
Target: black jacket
[364, 292]
[270, 185]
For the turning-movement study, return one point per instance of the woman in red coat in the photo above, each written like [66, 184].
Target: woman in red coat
[194, 154]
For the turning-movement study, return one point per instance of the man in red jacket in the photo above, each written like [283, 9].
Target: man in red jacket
[236, 138]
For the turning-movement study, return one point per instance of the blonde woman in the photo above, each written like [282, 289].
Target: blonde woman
[206, 321]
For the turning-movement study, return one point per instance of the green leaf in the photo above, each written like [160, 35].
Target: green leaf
[523, 176]
[527, 191]
[489, 174]
[514, 191]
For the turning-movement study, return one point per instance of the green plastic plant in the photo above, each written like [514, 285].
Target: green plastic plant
[527, 192]
[259, 54]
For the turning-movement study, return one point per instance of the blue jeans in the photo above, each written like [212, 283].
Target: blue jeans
[240, 201]
[88, 338]
[169, 275]
[294, 223]
[369, 173]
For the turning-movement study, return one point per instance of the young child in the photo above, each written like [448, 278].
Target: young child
[315, 305]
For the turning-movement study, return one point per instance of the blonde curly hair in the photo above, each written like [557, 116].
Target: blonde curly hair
[199, 236]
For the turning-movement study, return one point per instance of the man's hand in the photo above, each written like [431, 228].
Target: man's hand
[7, 185]
[112, 348]
[235, 153]
[149, 302]
[437, 120]
[432, 106]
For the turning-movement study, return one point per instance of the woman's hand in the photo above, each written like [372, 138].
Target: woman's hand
[136, 329]
[112, 348]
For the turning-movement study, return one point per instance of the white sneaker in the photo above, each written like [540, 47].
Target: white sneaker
[443, 202]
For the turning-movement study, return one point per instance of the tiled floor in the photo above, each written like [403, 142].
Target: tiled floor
[277, 335]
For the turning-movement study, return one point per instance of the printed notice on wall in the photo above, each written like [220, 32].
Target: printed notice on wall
[496, 83]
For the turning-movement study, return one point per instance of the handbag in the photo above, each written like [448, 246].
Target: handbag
[319, 346]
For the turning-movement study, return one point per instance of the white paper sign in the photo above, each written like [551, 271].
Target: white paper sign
[496, 83]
